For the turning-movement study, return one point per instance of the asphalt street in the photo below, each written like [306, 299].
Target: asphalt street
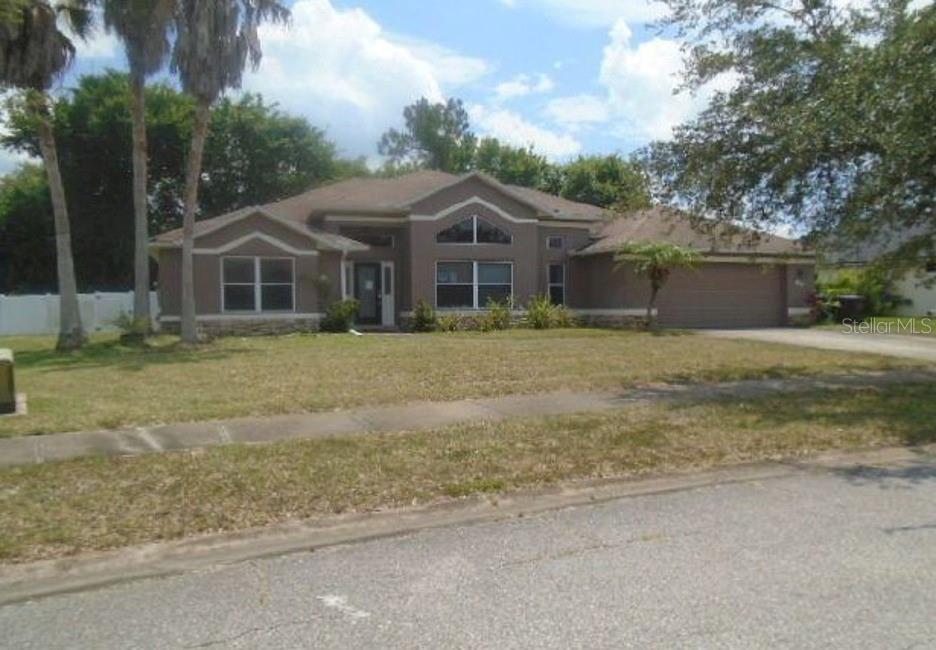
[818, 559]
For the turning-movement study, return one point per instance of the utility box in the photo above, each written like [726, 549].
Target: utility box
[7, 387]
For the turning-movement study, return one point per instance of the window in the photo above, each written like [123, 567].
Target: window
[470, 285]
[257, 284]
[554, 241]
[931, 267]
[473, 230]
[557, 283]
[365, 236]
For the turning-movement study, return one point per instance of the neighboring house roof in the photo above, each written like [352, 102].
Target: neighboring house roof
[324, 240]
[846, 251]
[672, 226]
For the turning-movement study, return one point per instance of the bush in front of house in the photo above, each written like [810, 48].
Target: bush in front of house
[497, 316]
[540, 313]
[339, 316]
[450, 323]
[424, 317]
[872, 283]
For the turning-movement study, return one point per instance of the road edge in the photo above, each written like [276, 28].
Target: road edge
[31, 581]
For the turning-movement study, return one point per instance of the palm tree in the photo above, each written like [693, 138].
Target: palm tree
[34, 52]
[656, 260]
[143, 26]
[214, 39]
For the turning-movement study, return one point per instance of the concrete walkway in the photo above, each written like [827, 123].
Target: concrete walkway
[406, 417]
[918, 347]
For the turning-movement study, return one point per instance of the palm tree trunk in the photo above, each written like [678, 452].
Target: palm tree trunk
[71, 334]
[141, 281]
[192, 175]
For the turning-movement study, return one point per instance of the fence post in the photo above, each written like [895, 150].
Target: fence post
[2, 300]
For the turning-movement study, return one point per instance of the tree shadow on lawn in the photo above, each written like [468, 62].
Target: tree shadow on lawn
[115, 355]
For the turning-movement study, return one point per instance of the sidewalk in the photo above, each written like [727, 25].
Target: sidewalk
[412, 416]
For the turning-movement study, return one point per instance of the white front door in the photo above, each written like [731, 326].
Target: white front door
[389, 292]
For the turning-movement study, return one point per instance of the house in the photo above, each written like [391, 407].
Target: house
[457, 242]
[915, 283]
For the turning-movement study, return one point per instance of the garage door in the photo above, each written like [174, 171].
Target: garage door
[724, 295]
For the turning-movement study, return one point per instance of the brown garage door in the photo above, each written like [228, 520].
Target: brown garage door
[723, 295]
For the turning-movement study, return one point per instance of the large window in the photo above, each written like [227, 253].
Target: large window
[556, 283]
[257, 284]
[473, 230]
[471, 285]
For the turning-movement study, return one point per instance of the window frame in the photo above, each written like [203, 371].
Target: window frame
[474, 282]
[258, 284]
[551, 238]
[550, 284]
[474, 233]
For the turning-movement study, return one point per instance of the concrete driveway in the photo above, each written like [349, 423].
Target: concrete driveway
[920, 348]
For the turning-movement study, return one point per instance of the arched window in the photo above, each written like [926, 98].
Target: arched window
[473, 230]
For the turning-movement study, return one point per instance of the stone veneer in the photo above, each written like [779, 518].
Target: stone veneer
[247, 327]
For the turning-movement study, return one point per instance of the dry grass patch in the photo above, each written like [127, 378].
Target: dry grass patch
[108, 385]
[64, 508]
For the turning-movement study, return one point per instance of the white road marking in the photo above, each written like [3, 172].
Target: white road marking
[224, 434]
[341, 604]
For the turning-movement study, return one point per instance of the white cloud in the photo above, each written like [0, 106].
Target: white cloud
[344, 72]
[578, 110]
[595, 13]
[510, 127]
[522, 85]
[640, 80]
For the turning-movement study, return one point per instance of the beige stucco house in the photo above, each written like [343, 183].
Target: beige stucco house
[456, 242]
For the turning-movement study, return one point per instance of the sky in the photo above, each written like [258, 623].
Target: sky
[568, 77]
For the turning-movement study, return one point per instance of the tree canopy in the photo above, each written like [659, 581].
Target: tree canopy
[439, 136]
[436, 136]
[255, 153]
[828, 123]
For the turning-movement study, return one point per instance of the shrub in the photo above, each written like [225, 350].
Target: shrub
[340, 315]
[873, 283]
[540, 313]
[132, 330]
[497, 316]
[562, 317]
[424, 317]
[449, 323]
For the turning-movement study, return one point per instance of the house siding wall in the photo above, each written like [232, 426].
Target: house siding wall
[522, 252]
[714, 295]
[207, 268]
[469, 189]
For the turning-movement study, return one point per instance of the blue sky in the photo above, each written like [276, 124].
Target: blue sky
[567, 76]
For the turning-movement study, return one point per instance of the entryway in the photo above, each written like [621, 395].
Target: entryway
[372, 287]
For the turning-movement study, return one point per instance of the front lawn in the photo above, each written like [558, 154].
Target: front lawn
[108, 385]
[63, 508]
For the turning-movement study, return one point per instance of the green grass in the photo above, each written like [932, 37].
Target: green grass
[64, 508]
[108, 385]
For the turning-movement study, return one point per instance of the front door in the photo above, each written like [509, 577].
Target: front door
[367, 292]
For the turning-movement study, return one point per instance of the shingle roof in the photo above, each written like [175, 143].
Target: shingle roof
[394, 196]
[668, 225]
[173, 238]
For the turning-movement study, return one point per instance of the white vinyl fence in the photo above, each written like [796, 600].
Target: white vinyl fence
[40, 314]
